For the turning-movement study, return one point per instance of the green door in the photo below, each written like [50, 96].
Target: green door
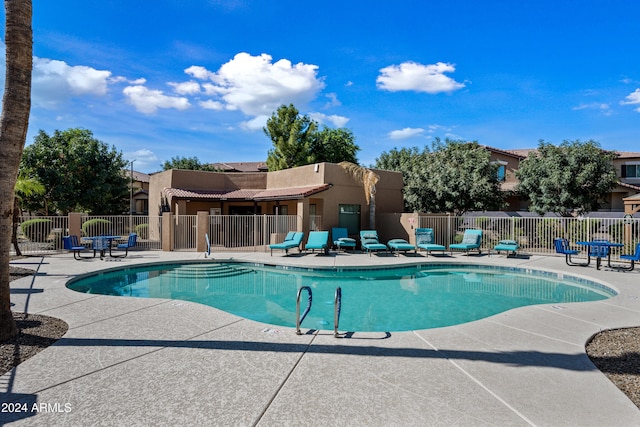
[349, 218]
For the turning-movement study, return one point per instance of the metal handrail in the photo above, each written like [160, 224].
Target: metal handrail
[337, 304]
[299, 319]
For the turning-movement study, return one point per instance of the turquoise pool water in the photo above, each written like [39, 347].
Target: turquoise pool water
[377, 300]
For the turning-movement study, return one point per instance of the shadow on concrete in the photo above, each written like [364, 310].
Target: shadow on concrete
[570, 362]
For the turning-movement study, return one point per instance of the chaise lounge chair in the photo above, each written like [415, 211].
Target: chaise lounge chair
[425, 240]
[341, 239]
[292, 240]
[317, 240]
[509, 246]
[400, 245]
[370, 243]
[471, 240]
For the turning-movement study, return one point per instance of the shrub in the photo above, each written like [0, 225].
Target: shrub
[96, 227]
[547, 230]
[142, 230]
[37, 230]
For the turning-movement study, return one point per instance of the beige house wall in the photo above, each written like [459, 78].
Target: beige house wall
[344, 190]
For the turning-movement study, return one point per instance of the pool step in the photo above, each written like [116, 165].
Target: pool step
[208, 271]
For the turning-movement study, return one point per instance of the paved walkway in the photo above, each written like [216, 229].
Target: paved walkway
[129, 361]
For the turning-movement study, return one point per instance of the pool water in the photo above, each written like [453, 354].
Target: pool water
[377, 300]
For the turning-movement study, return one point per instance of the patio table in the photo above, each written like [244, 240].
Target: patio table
[599, 249]
[101, 243]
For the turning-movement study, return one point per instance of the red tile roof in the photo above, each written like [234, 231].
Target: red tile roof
[247, 194]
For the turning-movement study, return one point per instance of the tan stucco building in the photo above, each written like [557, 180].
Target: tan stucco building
[324, 191]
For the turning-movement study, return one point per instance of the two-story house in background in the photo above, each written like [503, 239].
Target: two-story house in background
[626, 165]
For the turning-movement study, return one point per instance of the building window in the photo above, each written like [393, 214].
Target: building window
[502, 173]
[630, 171]
[281, 210]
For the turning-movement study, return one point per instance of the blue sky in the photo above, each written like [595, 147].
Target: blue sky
[165, 78]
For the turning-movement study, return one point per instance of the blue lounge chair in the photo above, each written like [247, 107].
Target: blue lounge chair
[633, 258]
[509, 246]
[131, 243]
[341, 239]
[562, 247]
[318, 240]
[471, 240]
[370, 243]
[292, 240]
[400, 245]
[425, 240]
[71, 243]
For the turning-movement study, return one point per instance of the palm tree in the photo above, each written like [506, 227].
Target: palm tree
[368, 179]
[25, 187]
[16, 105]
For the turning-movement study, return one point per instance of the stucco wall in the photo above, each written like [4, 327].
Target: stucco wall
[344, 190]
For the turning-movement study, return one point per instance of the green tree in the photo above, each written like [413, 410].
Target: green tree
[298, 142]
[25, 187]
[292, 137]
[574, 177]
[463, 178]
[79, 172]
[16, 106]
[334, 146]
[455, 176]
[413, 164]
[188, 163]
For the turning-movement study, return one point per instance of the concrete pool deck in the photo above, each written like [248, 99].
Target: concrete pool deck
[131, 361]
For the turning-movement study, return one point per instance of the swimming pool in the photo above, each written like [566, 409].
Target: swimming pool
[373, 299]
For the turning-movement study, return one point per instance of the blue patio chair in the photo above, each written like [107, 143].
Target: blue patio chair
[71, 243]
[509, 246]
[400, 245]
[425, 240]
[633, 258]
[341, 239]
[317, 240]
[471, 240]
[292, 240]
[370, 243]
[131, 242]
[562, 247]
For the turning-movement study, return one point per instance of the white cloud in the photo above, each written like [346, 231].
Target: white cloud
[148, 101]
[333, 100]
[439, 128]
[121, 79]
[186, 88]
[633, 99]
[602, 107]
[55, 81]
[211, 105]
[256, 123]
[256, 86]
[417, 77]
[405, 133]
[143, 159]
[338, 121]
[198, 72]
